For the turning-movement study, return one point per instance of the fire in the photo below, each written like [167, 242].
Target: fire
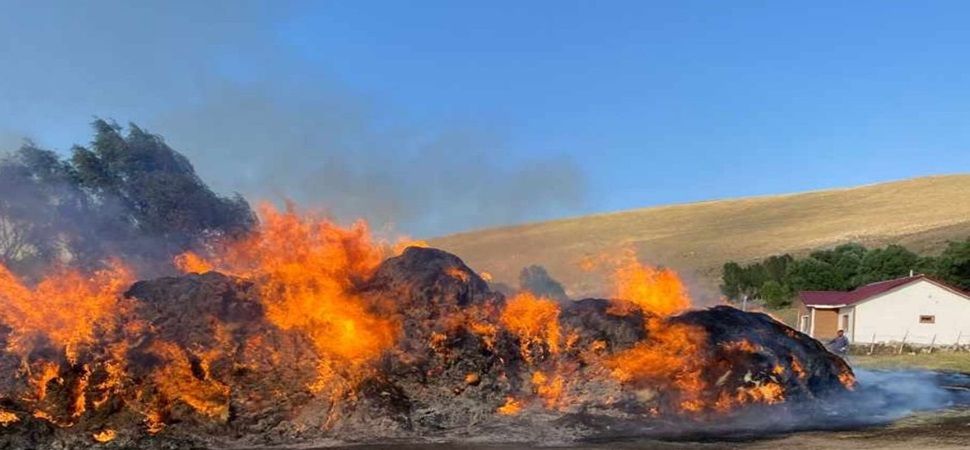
[306, 269]
[653, 290]
[549, 388]
[83, 348]
[535, 320]
[671, 356]
[798, 369]
[65, 308]
[404, 242]
[106, 435]
[743, 345]
[768, 392]
[176, 381]
[192, 263]
[7, 418]
[847, 380]
[510, 408]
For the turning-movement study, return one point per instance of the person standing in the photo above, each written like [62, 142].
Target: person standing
[839, 345]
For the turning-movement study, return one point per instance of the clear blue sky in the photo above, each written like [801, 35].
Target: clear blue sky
[637, 103]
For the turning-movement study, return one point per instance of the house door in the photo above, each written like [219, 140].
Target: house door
[803, 324]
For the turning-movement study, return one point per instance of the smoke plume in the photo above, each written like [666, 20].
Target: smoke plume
[257, 117]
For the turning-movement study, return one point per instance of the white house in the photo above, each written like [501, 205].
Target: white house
[915, 309]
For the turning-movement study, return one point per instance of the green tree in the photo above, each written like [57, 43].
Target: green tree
[953, 265]
[776, 267]
[879, 264]
[731, 280]
[775, 294]
[811, 274]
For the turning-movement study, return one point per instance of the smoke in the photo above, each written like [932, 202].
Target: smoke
[330, 152]
[890, 395]
[257, 117]
[880, 397]
[127, 196]
[9, 140]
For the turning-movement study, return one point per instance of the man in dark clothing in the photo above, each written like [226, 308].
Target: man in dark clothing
[839, 345]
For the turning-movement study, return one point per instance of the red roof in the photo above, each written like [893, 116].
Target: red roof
[840, 298]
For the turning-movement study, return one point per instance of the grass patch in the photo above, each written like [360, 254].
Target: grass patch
[940, 360]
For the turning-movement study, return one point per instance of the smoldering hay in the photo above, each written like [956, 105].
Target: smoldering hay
[305, 331]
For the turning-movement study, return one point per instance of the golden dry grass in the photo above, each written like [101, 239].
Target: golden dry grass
[696, 239]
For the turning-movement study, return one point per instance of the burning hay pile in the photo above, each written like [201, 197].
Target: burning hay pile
[305, 331]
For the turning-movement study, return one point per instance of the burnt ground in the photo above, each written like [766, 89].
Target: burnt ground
[939, 419]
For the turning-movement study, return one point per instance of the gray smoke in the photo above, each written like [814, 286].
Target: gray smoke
[258, 118]
[329, 152]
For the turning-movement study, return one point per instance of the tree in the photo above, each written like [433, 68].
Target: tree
[156, 185]
[775, 294]
[36, 192]
[879, 264]
[811, 274]
[776, 267]
[123, 196]
[732, 276]
[953, 265]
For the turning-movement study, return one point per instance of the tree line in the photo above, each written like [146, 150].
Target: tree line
[777, 279]
[126, 194]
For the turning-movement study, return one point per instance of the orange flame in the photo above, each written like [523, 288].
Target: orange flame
[66, 308]
[176, 381]
[847, 380]
[7, 418]
[510, 408]
[106, 435]
[671, 356]
[550, 390]
[535, 320]
[306, 269]
[653, 290]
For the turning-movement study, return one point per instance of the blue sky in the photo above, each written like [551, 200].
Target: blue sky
[564, 107]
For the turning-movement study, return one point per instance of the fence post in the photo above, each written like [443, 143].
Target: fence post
[872, 345]
[903, 343]
[956, 345]
[933, 344]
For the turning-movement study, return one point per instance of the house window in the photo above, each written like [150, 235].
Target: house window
[927, 319]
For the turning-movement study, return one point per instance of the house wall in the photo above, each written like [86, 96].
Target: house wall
[846, 322]
[804, 321]
[826, 323]
[895, 315]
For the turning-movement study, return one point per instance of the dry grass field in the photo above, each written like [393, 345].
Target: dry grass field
[697, 238]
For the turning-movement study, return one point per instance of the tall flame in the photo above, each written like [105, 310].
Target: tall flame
[306, 269]
[534, 319]
[654, 290]
[672, 355]
[66, 307]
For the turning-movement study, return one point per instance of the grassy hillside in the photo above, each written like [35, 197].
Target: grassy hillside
[697, 238]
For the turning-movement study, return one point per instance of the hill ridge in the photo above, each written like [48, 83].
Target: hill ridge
[697, 237]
